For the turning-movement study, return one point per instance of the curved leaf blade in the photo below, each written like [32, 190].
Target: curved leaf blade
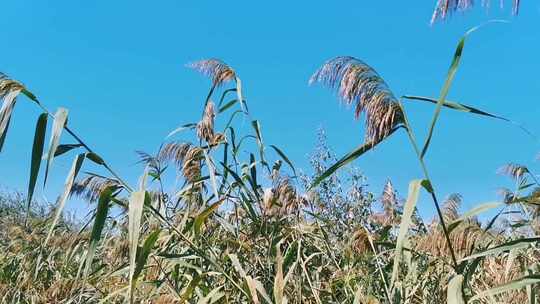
[37, 152]
[75, 167]
[60, 118]
[346, 160]
[455, 293]
[201, 218]
[406, 219]
[513, 285]
[99, 224]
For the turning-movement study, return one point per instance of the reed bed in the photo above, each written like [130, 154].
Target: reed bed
[242, 224]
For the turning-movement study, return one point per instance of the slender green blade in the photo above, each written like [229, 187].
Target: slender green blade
[188, 126]
[444, 93]
[468, 109]
[3, 136]
[201, 218]
[456, 106]
[345, 160]
[99, 224]
[144, 252]
[239, 96]
[406, 219]
[471, 213]
[95, 158]
[60, 118]
[75, 167]
[62, 149]
[284, 157]
[190, 288]
[227, 105]
[37, 152]
[448, 82]
[510, 245]
[513, 285]
[30, 95]
[135, 211]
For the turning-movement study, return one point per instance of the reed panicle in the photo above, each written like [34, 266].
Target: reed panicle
[445, 8]
[282, 199]
[513, 170]
[185, 156]
[205, 127]
[8, 85]
[214, 68]
[360, 85]
[90, 187]
[174, 152]
[450, 208]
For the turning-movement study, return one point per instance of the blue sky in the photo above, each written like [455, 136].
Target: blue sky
[119, 67]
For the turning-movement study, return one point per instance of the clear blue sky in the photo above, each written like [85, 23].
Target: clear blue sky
[118, 66]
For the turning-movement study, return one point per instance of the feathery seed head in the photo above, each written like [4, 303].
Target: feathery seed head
[174, 152]
[389, 198]
[205, 128]
[282, 199]
[192, 167]
[8, 85]
[185, 156]
[218, 70]
[445, 8]
[91, 187]
[450, 209]
[513, 170]
[359, 84]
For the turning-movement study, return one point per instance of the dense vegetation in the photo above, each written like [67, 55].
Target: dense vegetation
[226, 218]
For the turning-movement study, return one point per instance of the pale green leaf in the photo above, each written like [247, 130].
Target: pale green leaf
[75, 167]
[454, 293]
[60, 118]
[406, 219]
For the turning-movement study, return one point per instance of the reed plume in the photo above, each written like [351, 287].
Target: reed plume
[185, 156]
[219, 71]
[513, 170]
[282, 199]
[445, 8]
[359, 84]
[8, 85]
[205, 128]
[390, 206]
[360, 241]
[450, 209]
[174, 152]
[90, 187]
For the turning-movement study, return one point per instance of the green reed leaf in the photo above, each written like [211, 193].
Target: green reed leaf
[60, 119]
[37, 152]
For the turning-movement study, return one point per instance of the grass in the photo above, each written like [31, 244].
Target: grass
[243, 227]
